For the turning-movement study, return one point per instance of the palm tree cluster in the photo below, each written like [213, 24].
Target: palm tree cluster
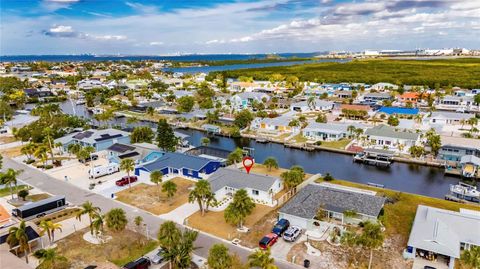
[293, 177]
[370, 238]
[241, 206]
[203, 195]
[178, 245]
[9, 178]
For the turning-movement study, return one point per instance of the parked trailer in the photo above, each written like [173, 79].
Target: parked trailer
[40, 208]
[103, 170]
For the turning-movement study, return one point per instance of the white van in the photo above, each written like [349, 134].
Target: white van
[102, 170]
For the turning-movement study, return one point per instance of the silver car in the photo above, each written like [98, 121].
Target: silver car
[158, 257]
[292, 233]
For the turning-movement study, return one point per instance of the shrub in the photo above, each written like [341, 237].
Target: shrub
[328, 177]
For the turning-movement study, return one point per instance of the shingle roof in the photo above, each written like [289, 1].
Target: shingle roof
[308, 200]
[92, 136]
[178, 161]
[387, 131]
[239, 180]
[442, 231]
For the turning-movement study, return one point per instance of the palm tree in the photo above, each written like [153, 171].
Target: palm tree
[29, 150]
[41, 153]
[292, 178]
[96, 225]
[219, 258]
[168, 235]
[261, 259]
[157, 177]
[18, 236]
[90, 210]
[127, 165]
[49, 258]
[202, 194]
[311, 102]
[471, 257]
[48, 133]
[10, 178]
[205, 141]
[49, 228]
[116, 219]
[180, 255]
[371, 238]
[270, 163]
[241, 206]
[170, 188]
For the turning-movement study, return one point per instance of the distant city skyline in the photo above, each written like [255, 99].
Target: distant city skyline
[226, 26]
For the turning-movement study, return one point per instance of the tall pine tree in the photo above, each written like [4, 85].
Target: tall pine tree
[165, 137]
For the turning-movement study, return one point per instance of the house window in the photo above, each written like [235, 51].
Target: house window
[255, 192]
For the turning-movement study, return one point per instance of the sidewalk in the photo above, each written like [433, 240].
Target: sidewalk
[180, 213]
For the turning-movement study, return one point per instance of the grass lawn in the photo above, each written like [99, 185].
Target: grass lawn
[121, 249]
[299, 139]
[214, 222]
[150, 198]
[398, 218]
[6, 191]
[12, 152]
[263, 170]
[37, 197]
[7, 139]
[340, 144]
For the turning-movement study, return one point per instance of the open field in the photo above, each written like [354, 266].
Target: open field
[150, 197]
[12, 152]
[214, 222]
[456, 72]
[263, 170]
[122, 248]
[7, 139]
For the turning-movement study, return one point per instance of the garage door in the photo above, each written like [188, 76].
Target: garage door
[300, 222]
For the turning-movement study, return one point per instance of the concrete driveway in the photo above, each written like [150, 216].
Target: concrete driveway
[281, 248]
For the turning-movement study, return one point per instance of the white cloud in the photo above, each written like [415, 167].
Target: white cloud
[107, 37]
[142, 8]
[155, 43]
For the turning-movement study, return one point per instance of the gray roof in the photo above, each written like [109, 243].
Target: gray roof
[236, 179]
[331, 128]
[316, 103]
[92, 136]
[452, 115]
[442, 231]
[308, 200]
[387, 131]
[178, 161]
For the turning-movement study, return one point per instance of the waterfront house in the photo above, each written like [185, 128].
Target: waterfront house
[38, 93]
[454, 148]
[88, 84]
[387, 137]
[262, 189]
[325, 131]
[179, 164]
[456, 102]
[316, 105]
[408, 97]
[99, 139]
[375, 97]
[246, 99]
[443, 232]
[382, 86]
[448, 118]
[139, 152]
[276, 125]
[333, 201]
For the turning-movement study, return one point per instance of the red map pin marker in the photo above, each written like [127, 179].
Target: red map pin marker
[248, 163]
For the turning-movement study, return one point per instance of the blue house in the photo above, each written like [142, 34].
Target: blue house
[99, 139]
[174, 163]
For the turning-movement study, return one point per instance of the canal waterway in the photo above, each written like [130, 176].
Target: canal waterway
[412, 178]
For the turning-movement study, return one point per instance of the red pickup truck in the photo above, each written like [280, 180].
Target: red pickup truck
[124, 181]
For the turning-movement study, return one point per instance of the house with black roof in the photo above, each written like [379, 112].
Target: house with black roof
[99, 139]
[140, 152]
[345, 204]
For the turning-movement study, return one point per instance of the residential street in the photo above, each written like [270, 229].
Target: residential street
[77, 196]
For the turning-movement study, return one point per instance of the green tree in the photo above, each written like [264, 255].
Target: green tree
[219, 258]
[23, 194]
[165, 136]
[157, 178]
[96, 226]
[9, 178]
[49, 227]
[50, 259]
[202, 194]
[142, 134]
[127, 165]
[29, 150]
[116, 219]
[241, 206]
[471, 257]
[393, 121]
[170, 188]
[291, 179]
[321, 118]
[270, 163]
[261, 259]
[416, 151]
[185, 103]
[180, 255]
[87, 208]
[235, 156]
[433, 141]
[476, 99]
[328, 177]
[371, 238]
[243, 118]
[205, 141]
[18, 236]
[168, 235]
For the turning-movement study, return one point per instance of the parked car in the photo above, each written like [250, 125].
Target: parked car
[158, 257]
[142, 263]
[429, 267]
[281, 226]
[124, 181]
[93, 157]
[268, 240]
[292, 233]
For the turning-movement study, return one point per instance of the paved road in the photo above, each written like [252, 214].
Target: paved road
[77, 196]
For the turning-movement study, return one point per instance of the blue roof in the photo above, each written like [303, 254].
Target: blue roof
[398, 110]
[178, 161]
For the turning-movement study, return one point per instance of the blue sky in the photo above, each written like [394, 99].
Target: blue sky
[229, 26]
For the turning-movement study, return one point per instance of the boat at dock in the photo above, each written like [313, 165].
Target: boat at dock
[261, 140]
[465, 192]
[379, 157]
[375, 185]
[80, 102]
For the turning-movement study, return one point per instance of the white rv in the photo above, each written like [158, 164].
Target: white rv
[102, 170]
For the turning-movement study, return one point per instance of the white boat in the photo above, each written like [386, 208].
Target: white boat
[466, 192]
[80, 102]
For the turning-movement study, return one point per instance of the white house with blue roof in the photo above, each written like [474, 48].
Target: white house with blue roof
[179, 164]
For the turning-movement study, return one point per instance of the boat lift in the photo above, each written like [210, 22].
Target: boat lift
[373, 156]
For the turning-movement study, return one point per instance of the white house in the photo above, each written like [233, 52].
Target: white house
[383, 86]
[384, 136]
[325, 131]
[448, 118]
[274, 125]
[245, 99]
[262, 189]
[316, 105]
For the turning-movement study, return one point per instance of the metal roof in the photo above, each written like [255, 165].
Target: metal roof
[41, 202]
[178, 161]
[387, 131]
[236, 179]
